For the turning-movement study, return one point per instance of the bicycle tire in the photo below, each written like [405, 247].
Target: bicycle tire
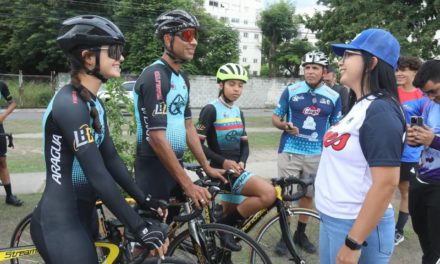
[168, 260]
[181, 246]
[22, 237]
[270, 234]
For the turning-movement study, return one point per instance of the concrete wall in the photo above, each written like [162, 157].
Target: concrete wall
[258, 93]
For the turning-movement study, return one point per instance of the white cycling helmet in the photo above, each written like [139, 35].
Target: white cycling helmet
[314, 57]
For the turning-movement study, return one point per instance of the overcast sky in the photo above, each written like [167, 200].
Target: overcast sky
[302, 6]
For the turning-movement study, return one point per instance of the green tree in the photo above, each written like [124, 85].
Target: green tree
[278, 24]
[413, 23]
[289, 56]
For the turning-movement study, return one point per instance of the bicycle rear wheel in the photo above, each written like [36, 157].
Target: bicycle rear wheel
[270, 234]
[168, 260]
[209, 234]
[22, 237]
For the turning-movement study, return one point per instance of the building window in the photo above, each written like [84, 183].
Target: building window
[255, 60]
[243, 60]
[235, 20]
[256, 36]
[245, 34]
[245, 22]
[224, 19]
[244, 47]
[213, 3]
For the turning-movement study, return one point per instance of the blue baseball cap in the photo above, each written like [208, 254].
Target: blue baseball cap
[380, 43]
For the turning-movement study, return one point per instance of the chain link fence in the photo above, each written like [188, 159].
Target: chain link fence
[30, 91]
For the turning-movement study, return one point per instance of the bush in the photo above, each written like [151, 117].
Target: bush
[33, 94]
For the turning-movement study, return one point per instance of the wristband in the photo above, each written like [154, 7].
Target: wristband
[353, 245]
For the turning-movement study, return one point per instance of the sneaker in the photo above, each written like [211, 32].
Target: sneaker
[227, 241]
[303, 242]
[13, 200]
[398, 238]
[281, 248]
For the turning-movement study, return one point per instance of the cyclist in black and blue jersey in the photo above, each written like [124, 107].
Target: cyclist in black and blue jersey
[163, 115]
[222, 125]
[81, 160]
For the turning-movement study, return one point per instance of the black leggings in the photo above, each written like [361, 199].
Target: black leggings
[424, 207]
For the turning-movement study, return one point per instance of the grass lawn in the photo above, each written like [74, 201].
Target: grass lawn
[23, 126]
[11, 216]
[27, 156]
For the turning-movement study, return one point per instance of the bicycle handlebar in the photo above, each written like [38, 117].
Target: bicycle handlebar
[286, 181]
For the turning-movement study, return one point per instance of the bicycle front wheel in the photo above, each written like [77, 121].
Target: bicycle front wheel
[214, 252]
[22, 237]
[168, 260]
[270, 237]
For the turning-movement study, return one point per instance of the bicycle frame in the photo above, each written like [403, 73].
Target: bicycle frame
[18, 252]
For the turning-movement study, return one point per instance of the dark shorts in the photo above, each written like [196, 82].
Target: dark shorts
[154, 179]
[408, 170]
[3, 144]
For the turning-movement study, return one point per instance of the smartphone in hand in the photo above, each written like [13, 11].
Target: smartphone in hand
[416, 121]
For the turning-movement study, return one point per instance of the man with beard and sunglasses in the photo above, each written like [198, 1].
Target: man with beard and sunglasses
[304, 112]
[163, 116]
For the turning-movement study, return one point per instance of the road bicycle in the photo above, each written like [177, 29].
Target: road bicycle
[282, 223]
[201, 242]
[112, 245]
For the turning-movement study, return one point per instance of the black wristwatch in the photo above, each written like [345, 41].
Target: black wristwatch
[353, 245]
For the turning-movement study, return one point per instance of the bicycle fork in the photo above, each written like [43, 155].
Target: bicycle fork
[287, 238]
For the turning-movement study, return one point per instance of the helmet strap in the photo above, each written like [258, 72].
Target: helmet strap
[170, 52]
[223, 97]
[96, 71]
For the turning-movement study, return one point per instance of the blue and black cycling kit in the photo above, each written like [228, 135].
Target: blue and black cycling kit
[81, 166]
[161, 101]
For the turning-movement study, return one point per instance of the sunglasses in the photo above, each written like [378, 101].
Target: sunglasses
[113, 51]
[348, 53]
[187, 35]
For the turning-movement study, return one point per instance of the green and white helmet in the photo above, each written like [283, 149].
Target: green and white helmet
[232, 71]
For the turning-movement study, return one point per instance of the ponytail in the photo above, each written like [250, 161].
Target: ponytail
[85, 96]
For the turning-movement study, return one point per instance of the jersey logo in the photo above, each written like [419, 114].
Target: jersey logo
[74, 97]
[55, 158]
[309, 123]
[296, 98]
[158, 85]
[232, 136]
[200, 127]
[160, 109]
[335, 141]
[176, 105]
[311, 111]
[82, 136]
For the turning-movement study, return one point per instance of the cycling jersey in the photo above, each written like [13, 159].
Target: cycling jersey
[312, 111]
[370, 135]
[81, 165]
[224, 128]
[410, 154]
[161, 99]
[4, 92]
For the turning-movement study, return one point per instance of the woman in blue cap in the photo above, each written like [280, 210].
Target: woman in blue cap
[360, 163]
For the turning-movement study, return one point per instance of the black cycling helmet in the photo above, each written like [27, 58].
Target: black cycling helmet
[86, 32]
[174, 21]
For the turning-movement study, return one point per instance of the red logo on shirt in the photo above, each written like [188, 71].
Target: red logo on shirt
[337, 142]
[158, 85]
[312, 110]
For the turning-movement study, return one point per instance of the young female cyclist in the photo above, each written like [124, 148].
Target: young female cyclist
[360, 164]
[81, 160]
[221, 124]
